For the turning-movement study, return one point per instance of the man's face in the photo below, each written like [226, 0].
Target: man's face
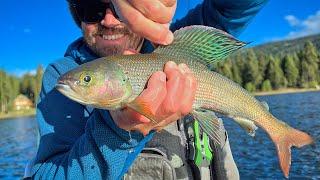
[110, 36]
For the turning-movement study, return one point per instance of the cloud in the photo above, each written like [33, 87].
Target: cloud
[27, 30]
[292, 20]
[308, 26]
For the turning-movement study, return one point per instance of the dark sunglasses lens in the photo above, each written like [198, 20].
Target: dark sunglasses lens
[91, 11]
[94, 14]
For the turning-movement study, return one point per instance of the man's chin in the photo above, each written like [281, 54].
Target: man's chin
[108, 51]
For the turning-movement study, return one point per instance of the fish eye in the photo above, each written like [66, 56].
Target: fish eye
[87, 79]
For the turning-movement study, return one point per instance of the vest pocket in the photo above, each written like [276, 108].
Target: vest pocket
[151, 163]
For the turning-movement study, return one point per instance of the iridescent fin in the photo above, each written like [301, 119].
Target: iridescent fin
[210, 123]
[201, 43]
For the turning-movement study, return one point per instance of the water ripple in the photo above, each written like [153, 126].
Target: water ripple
[256, 157]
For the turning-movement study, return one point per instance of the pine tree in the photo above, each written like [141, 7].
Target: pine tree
[2, 80]
[38, 81]
[4, 91]
[291, 72]
[250, 87]
[14, 89]
[263, 61]
[296, 60]
[226, 69]
[275, 74]
[27, 85]
[236, 74]
[251, 71]
[266, 85]
[309, 66]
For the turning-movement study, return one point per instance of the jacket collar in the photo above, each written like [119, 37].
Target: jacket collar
[80, 52]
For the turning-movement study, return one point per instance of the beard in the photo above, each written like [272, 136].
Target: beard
[132, 41]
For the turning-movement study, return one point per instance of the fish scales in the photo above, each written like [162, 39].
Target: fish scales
[213, 90]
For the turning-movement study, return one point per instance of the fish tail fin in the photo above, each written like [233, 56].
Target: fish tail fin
[284, 142]
[206, 45]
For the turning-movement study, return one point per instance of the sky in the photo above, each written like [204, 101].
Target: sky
[37, 32]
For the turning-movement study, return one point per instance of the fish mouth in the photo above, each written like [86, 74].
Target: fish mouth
[66, 90]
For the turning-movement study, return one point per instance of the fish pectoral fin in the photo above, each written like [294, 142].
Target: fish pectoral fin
[247, 125]
[265, 105]
[142, 108]
[211, 124]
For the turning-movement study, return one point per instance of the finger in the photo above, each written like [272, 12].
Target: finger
[171, 103]
[156, 90]
[189, 93]
[130, 51]
[155, 45]
[154, 10]
[189, 89]
[153, 31]
[172, 118]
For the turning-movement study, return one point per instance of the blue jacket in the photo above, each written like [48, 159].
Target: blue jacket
[78, 142]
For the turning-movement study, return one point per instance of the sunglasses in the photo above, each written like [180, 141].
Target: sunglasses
[92, 11]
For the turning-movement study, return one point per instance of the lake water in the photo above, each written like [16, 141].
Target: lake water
[256, 157]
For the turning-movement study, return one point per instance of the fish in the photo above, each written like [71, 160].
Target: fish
[115, 82]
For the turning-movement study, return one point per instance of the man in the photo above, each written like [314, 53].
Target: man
[81, 142]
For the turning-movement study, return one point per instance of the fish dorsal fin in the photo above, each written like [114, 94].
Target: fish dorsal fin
[265, 105]
[247, 125]
[201, 43]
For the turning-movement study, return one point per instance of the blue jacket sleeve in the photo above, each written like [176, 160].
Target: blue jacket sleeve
[231, 16]
[77, 142]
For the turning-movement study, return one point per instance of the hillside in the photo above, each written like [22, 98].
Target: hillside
[275, 65]
[281, 48]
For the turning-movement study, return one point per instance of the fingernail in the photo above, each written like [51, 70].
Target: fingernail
[170, 64]
[169, 38]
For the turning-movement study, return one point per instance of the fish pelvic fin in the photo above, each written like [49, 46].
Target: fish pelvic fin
[201, 43]
[211, 124]
[284, 142]
[265, 105]
[247, 125]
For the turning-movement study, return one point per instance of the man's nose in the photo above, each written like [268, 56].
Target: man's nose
[109, 19]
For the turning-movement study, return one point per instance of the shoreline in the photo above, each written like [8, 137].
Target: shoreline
[32, 112]
[285, 91]
[16, 114]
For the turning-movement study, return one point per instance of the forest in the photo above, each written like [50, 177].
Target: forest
[11, 86]
[257, 70]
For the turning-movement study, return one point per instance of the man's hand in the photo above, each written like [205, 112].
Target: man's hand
[148, 18]
[169, 94]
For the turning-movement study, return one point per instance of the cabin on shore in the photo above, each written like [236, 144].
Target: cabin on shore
[22, 102]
